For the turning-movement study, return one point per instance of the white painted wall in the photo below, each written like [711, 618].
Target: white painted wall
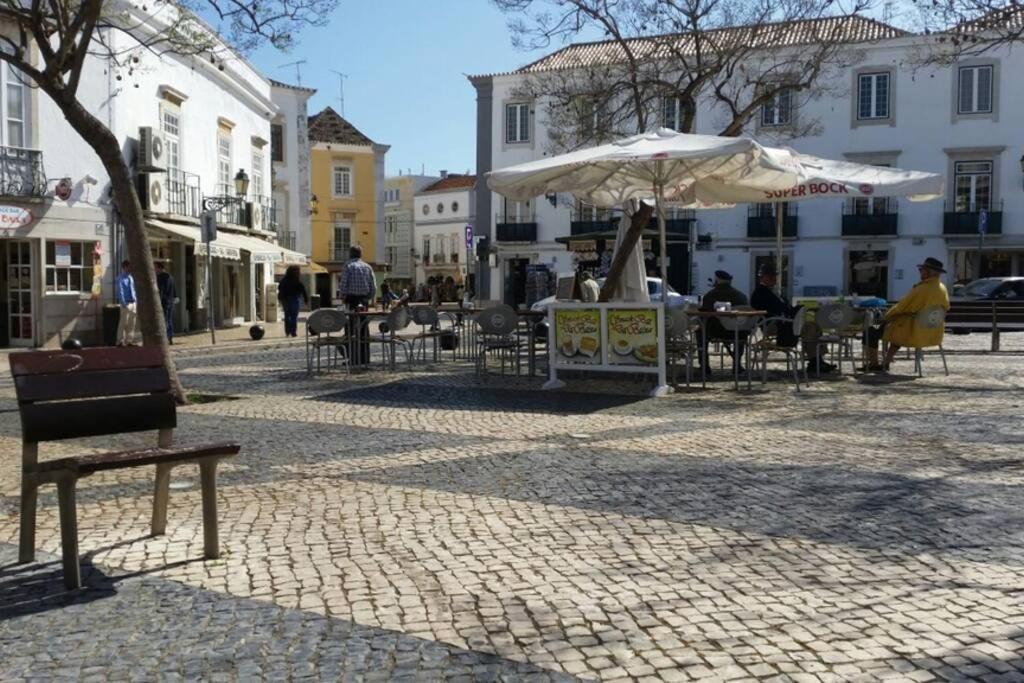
[291, 176]
[445, 224]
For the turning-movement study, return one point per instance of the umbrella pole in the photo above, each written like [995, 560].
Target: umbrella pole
[779, 206]
[664, 244]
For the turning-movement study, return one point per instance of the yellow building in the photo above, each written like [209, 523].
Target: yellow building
[347, 176]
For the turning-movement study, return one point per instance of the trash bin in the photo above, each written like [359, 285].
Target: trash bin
[314, 302]
[111, 319]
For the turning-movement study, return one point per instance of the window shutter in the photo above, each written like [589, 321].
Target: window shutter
[510, 123]
[966, 90]
[524, 122]
[984, 78]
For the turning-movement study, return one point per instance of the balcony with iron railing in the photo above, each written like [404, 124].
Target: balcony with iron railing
[286, 238]
[21, 172]
[235, 210]
[337, 252]
[677, 221]
[870, 217]
[263, 213]
[965, 219]
[184, 194]
[521, 228]
[761, 221]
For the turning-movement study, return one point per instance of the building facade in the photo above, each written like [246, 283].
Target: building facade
[187, 128]
[289, 156]
[399, 216]
[954, 119]
[443, 211]
[347, 170]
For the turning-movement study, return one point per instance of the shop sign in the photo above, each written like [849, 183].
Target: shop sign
[12, 217]
[578, 335]
[632, 336]
[583, 245]
[62, 254]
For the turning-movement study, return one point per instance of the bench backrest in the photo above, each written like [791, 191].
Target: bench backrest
[983, 312]
[92, 392]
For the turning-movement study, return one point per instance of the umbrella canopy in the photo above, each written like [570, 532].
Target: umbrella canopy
[633, 284]
[632, 168]
[818, 179]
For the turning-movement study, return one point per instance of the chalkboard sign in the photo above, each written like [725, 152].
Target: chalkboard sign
[566, 288]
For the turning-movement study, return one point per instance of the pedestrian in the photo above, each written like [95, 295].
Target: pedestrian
[435, 291]
[590, 292]
[168, 297]
[291, 292]
[358, 283]
[124, 288]
[764, 298]
[387, 297]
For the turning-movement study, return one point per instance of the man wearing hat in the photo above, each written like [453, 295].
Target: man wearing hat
[765, 299]
[722, 290]
[900, 327]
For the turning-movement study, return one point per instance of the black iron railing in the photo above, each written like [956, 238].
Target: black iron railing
[867, 217]
[286, 238]
[761, 221]
[516, 229]
[337, 251]
[184, 193]
[966, 220]
[233, 210]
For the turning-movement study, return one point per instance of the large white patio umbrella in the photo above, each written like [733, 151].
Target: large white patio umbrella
[661, 164]
[818, 179]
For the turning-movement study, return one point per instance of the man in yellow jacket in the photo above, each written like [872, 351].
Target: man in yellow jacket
[900, 327]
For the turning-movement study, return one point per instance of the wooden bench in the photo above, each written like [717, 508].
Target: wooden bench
[1004, 315]
[96, 392]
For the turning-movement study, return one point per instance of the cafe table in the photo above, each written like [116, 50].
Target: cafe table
[736, 315]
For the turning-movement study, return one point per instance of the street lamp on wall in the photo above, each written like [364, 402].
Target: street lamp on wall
[314, 204]
[241, 183]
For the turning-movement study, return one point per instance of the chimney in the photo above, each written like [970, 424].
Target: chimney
[444, 174]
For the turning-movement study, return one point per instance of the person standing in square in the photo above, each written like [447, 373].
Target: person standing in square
[124, 289]
[168, 297]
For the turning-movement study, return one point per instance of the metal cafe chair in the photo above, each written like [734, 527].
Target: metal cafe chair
[929, 318]
[387, 336]
[768, 343]
[325, 329]
[681, 343]
[834, 320]
[497, 326]
[429, 322]
[740, 326]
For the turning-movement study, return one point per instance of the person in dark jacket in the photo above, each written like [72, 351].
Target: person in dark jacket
[168, 297]
[291, 293]
[765, 299]
[722, 291]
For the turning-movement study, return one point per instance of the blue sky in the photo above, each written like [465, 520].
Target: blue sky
[405, 61]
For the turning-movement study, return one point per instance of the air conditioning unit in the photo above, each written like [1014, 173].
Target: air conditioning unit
[151, 150]
[153, 192]
[255, 211]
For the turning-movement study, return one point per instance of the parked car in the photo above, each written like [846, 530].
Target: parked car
[653, 289]
[990, 288]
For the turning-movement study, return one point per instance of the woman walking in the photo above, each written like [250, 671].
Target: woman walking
[291, 292]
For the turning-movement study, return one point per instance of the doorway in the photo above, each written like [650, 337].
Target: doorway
[867, 273]
[515, 281]
[18, 277]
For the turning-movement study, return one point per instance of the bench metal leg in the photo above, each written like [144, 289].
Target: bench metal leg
[29, 493]
[208, 478]
[69, 531]
[161, 493]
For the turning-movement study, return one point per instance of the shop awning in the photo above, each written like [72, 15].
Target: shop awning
[220, 247]
[310, 268]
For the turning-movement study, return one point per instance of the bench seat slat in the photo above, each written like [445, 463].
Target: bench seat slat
[87, 464]
[52, 421]
[92, 384]
[85, 360]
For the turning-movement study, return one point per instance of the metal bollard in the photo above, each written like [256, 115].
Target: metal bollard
[995, 327]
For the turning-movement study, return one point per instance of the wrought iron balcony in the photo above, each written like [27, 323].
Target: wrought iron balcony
[337, 251]
[869, 217]
[516, 229]
[21, 172]
[262, 212]
[761, 221]
[184, 194]
[286, 238]
[964, 220]
[233, 210]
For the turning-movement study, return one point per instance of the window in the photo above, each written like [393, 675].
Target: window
[342, 236]
[778, 110]
[257, 173]
[342, 186]
[975, 90]
[426, 249]
[873, 206]
[224, 165]
[391, 256]
[426, 209]
[972, 183]
[453, 244]
[455, 207]
[671, 113]
[68, 266]
[873, 96]
[14, 133]
[440, 207]
[171, 127]
[518, 212]
[517, 122]
[276, 142]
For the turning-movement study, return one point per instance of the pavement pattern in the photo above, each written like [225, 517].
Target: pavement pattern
[430, 526]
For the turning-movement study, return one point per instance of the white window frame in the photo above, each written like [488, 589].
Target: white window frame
[12, 81]
[343, 170]
[774, 108]
[960, 171]
[343, 223]
[520, 133]
[874, 77]
[975, 69]
[225, 152]
[63, 273]
[671, 113]
[425, 256]
[172, 138]
[257, 187]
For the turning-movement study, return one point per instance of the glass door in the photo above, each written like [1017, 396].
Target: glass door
[19, 292]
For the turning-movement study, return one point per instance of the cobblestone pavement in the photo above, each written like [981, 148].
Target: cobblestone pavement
[427, 526]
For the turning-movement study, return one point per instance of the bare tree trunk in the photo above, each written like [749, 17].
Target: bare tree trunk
[107, 147]
[636, 228]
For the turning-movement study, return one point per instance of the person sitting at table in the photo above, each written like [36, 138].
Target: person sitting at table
[764, 298]
[899, 328]
[722, 291]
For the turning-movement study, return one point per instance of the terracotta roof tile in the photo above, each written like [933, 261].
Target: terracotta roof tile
[452, 182]
[328, 126]
[300, 88]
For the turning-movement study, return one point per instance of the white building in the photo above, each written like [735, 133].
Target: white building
[187, 128]
[956, 120]
[399, 216]
[443, 211]
[289, 154]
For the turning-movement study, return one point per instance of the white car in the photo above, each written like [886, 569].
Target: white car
[675, 299]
